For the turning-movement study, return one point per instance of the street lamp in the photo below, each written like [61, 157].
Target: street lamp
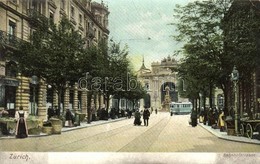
[234, 78]
[34, 82]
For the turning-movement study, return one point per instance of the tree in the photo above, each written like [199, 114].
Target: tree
[198, 25]
[52, 54]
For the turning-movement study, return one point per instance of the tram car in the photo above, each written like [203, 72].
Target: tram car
[180, 107]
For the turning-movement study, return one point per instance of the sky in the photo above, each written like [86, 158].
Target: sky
[143, 25]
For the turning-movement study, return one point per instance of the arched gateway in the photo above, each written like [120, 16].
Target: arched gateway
[156, 80]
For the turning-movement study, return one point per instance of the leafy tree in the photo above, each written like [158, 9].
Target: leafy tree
[52, 54]
[198, 25]
[115, 71]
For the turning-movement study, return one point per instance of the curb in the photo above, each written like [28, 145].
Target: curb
[63, 130]
[224, 136]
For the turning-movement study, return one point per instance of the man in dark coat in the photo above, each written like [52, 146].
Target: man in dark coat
[137, 120]
[146, 115]
[193, 118]
[50, 112]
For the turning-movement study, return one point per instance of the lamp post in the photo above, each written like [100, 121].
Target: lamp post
[234, 78]
[34, 82]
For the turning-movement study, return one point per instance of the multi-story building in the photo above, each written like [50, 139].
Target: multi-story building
[89, 18]
[155, 81]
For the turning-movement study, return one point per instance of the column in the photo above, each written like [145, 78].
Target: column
[75, 97]
[55, 98]
[84, 101]
[18, 95]
[102, 99]
[66, 98]
[42, 95]
[23, 93]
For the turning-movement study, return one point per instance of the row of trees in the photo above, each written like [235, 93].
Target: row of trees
[58, 54]
[216, 38]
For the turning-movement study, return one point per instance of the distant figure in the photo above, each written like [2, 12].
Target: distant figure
[50, 112]
[4, 113]
[221, 122]
[193, 118]
[146, 115]
[68, 118]
[156, 111]
[56, 111]
[4, 129]
[21, 127]
[137, 120]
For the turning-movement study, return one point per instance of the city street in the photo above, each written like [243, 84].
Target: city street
[165, 133]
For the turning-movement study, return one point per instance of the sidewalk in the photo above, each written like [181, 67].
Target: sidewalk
[66, 129]
[223, 135]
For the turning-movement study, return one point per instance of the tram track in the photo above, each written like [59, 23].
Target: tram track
[108, 138]
[143, 142]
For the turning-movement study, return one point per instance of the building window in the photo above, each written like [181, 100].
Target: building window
[147, 87]
[72, 12]
[10, 69]
[62, 4]
[51, 17]
[11, 32]
[99, 35]
[80, 18]
[12, 28]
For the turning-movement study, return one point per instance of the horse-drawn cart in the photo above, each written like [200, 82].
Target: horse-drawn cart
[248, 127]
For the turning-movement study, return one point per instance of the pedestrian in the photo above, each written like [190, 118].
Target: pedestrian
[156, 111]
[50, 112]
[21, 126]
[68, 118]
[3, 126]
[56, 111]
[201, 115]
[221, 122]
[193, 118]
[146, 115]
[205, 117]
[137, 120]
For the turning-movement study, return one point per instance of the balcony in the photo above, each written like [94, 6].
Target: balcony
[9, 40]
[36, 17]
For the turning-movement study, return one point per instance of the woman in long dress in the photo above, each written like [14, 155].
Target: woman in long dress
[21, 126]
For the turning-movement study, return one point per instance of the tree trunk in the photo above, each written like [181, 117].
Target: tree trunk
[59, 98]
[118, 100]
[89, 113]
[210, 96]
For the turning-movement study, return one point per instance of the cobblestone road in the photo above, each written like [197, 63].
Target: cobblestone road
[165, 133]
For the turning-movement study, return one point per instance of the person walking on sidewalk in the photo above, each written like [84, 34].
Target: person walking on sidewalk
[137, 120]
[68, 118]
[221, 122]
[146, 116]
[21, 126]
[193, 118]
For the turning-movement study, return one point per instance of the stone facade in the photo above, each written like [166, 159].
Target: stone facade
[89, 18]
[156, 80]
